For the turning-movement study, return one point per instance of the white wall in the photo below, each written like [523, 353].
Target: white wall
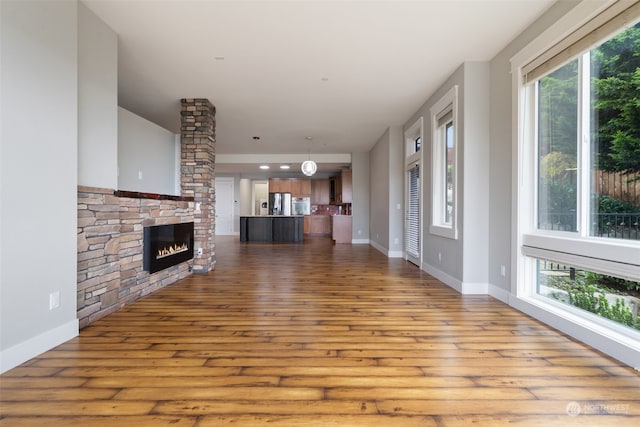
[396, 191]
[360, 204]
[97, 102]
[475, 183]
[146, 155]
[38, 176]
[386, 177]
[379, 194]
[260, 192]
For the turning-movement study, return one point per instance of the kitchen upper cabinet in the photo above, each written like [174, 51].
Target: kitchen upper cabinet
[297, 187]
[279, 185]
[320, 192]
[340, 188]
[300, 187]
[346, 194]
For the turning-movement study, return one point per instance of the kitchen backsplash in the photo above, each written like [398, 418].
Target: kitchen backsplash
[331, 209]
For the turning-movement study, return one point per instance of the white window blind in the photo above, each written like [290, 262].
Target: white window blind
[412, 237]
[617, 17]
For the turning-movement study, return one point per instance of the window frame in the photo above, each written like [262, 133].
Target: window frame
[414, 132]
[448, 104]
[620, 258]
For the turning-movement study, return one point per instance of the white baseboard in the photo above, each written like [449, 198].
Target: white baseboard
[465, 288]
[471, 288]
[448, 280]
[379, 247]
[20, 353]
[499, 293]
[359, 241]
[395, 254]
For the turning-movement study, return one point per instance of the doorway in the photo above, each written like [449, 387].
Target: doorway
[225, 202]
[412, 218]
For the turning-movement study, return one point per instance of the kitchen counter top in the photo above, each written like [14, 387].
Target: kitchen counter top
[272, 216]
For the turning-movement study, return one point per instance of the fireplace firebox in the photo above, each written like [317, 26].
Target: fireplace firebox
[167, 245]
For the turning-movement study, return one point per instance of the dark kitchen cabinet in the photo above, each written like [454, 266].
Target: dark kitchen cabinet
[340, 190]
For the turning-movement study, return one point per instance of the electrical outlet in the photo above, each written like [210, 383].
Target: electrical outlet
[199, 250]
[503, 270]
[439, 256]
[54, 300]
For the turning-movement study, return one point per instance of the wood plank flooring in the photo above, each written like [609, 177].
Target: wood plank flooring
[317, 334]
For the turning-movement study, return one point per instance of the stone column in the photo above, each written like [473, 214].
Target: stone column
[197, 178]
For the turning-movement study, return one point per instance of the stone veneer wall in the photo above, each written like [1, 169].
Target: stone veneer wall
[197, 145]
[110, 234]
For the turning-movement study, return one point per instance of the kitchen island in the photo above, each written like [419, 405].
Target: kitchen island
[272, 228]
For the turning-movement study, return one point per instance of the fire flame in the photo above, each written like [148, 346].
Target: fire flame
[171, 250]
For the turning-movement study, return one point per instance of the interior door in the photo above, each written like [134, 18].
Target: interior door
[413, 226]
[224, 206]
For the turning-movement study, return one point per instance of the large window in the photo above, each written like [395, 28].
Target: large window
[444, 165]
[579, 170]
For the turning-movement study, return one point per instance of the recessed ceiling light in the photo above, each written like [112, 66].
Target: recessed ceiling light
[264, 167]
[219, 58]
[285, 167]
[325, 79]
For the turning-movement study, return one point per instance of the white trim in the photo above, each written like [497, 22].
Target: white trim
[377, 246]
[360, 241]
[445, 278]
[499, 293]
[465, 288]
[382, 249]
[416, 130]
[595, 264]
[437, 226]
[475, 288]
[564, 26]
[177, 165]
[604, 339]
[20, 353]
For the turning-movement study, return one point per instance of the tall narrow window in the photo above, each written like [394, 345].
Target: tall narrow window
[444, 166]
[449, 174]
[412, 229]
[413, 192]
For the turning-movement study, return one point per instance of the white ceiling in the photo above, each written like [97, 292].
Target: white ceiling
[339, 71]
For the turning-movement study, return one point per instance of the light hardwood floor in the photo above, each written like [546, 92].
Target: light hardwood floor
[317, 334]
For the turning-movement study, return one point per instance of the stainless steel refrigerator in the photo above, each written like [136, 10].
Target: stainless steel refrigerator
[280, 204]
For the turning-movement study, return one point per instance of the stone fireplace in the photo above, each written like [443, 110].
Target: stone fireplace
[112, 269]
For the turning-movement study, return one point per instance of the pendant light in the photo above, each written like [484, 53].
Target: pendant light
[309, 167]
